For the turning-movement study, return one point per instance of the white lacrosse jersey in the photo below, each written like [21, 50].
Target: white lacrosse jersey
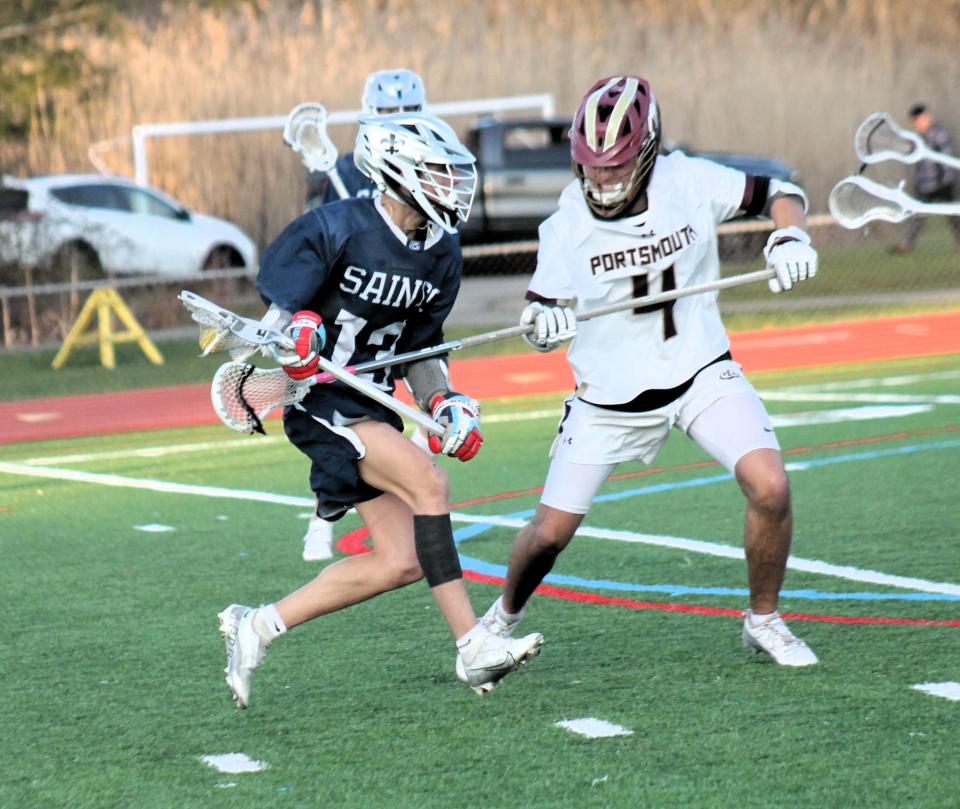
[671, 245]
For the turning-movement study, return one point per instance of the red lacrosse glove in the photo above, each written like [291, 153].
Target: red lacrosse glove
[460, 416]
[308, 336]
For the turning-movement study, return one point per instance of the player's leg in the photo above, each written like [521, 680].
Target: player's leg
[318, 540]
[319, 537]
[912, 228]
[567, 494]
[768, 525]
[334, 452]
[736, 430]
[394, 464]
[534, 552]
[589, 444]
[950, 195]
[391, 563]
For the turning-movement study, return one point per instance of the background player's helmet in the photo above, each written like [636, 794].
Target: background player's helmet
[388, 91]
[618, 122]
[418, 160]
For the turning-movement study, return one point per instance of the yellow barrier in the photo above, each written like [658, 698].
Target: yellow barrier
[104, 302]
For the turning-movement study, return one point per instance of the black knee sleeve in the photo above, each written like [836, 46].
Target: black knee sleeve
[436, 551]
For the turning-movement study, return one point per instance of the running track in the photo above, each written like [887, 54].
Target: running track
[492, 377]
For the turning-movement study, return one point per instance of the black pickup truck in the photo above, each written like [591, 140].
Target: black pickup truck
[524, 164]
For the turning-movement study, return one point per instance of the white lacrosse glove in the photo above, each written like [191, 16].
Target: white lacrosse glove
[789, 253]
[308, 337]
[460, 416]
[552, 325]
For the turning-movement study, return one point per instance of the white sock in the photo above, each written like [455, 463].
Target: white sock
[756, 618]
[509, 617]
[268, 624]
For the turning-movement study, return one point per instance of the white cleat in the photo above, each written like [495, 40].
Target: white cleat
[245, 650]
[484, 662]
[318, 541]
[772, 637]
[496, 620]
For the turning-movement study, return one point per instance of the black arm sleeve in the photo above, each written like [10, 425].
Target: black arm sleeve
[755, 194]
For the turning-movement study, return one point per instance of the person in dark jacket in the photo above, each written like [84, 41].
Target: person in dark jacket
[932, 181]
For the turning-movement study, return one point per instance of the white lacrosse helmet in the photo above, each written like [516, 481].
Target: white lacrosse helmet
[390, 91]
[417, 159]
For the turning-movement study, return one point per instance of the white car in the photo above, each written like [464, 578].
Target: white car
[110, 225]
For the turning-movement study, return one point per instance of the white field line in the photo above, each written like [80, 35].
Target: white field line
[793, 340]
[234, 763]
[799, 393]
[948, 690]
[881, 398]
[878, 382]
[529, 415]
[838, 415]
[594, 728]
[916, 405]
[101, 479]
[253, 442]
[693, 545]
[733, 552]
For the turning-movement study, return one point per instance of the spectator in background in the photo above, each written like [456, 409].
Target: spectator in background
[932, 181]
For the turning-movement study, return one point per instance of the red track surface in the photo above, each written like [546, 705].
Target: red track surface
[492, 377]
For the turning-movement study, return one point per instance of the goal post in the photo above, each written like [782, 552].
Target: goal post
[142, 133]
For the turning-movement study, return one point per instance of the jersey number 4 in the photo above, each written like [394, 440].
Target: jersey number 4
[641, 288]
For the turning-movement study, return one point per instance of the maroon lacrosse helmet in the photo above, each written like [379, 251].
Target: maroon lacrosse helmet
[617, 124]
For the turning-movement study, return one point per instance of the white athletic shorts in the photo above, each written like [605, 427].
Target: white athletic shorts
[720, 411]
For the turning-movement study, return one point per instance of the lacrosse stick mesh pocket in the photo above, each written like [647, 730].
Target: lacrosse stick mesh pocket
[853, 205]
[243, 395]
[877, 136]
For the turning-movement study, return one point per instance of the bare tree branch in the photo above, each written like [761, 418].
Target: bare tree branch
[53, 21]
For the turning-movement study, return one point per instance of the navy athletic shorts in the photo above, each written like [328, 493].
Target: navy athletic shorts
[323, 434]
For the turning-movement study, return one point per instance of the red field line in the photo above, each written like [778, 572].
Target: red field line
[354, 542]
[494, 377]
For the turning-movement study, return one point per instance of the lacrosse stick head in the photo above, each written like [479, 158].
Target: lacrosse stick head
[879, 138]
[305, 131]
[224, 330]
[857, 200]
[243, 395]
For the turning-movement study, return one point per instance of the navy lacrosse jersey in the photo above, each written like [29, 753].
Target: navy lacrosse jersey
[378, 295]
[321, 191]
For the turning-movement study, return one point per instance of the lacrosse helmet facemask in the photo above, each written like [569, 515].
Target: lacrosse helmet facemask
[391, 91]
[417, 159]
[616, 125]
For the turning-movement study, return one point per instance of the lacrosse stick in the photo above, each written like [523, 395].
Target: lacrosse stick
[857, 200]
[252, 335]
[244, 395]
[305, 131]
[518, 331]
[879, 138]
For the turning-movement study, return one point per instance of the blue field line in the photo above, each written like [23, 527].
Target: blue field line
[792, 466]
[486, 568]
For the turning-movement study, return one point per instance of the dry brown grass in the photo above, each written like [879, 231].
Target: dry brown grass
[786, 77]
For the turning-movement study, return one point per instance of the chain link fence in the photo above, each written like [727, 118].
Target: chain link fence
[857, 273]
